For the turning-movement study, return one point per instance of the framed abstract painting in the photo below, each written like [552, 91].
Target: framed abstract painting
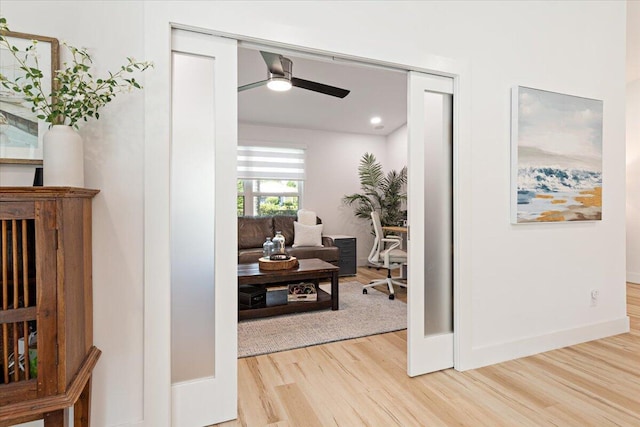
[556, 157]
[20, 130]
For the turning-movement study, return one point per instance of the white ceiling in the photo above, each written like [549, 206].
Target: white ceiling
[374, 92]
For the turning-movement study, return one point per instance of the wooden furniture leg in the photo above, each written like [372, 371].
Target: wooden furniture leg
[82, 407]
[57, 418]
[334, 291]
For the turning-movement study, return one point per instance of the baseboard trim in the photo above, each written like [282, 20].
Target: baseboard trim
[496, 353]
[132, 424]
[633, 277]
[39, 423]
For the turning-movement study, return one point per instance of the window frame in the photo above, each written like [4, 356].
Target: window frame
[248, 193]
[249, 178]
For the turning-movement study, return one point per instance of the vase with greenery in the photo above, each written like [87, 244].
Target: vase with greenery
[76, 94]
[380, 192]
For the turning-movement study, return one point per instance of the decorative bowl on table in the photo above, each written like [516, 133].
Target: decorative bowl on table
[276, 264]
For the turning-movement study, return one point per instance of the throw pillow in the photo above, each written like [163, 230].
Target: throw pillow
[306, 217]
[307, 235]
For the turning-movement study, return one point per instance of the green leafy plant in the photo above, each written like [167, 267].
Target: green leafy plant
[76, 94]
[384, 193]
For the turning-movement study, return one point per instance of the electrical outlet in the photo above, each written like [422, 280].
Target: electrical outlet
[595, 294]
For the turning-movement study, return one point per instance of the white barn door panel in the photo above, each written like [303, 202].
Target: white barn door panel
[430, 208]
[202, 199]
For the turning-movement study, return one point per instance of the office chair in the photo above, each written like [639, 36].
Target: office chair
[384, 254]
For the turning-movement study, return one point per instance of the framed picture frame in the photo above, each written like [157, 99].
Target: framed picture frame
[556, 157]
[20, 130]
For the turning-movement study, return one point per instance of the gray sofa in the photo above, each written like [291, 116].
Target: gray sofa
[253, 231]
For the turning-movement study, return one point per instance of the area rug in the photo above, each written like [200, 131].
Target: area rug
[359, 315]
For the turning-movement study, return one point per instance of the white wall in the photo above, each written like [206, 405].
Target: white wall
[397, 149]
[114, 164]
[530, 284]
[397, 152]
[633, 142]
[504, 267]
[332, 160]
[633, 181]
[527, 288]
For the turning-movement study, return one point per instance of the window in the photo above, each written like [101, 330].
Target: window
[268, 197]
[270, 180]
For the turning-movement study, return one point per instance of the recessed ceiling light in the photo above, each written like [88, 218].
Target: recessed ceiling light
[375, 120]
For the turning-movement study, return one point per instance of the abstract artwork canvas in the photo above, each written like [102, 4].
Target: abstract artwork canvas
[20, 129]
[556, 154]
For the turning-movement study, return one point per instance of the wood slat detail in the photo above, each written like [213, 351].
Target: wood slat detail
[15, 313]
[19, 315]
[54, 403]
[19, 421]
[44, 193]
[16, 294]
[13, 210]
[5, 299]
[25, 294]
[22, 388]
[46, 236]
[45, 284]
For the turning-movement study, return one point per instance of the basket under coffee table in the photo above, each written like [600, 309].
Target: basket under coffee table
[308, 269]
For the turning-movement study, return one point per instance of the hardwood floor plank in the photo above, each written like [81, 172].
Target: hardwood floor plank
[363, 382]
[299, 410]
[554, 397]
[480, 400]
[257, 403]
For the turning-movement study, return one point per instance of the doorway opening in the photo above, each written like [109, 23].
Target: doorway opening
[416, 158]
[305, 119]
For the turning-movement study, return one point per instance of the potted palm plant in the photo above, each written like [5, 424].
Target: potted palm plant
[384, 193]
[75, 97]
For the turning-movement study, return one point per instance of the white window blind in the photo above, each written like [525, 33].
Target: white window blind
[255, 162]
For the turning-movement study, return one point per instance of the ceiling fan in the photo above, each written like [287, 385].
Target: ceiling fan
[279, 78]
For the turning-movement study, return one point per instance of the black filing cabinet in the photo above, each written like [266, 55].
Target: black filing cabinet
[347, 262]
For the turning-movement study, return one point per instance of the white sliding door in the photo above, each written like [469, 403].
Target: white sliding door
[202, 199]
[430, 209]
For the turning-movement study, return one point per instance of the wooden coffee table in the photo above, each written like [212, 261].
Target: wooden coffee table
[308, 269]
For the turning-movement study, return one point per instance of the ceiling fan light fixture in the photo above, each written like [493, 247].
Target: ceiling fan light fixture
[279, 84]
[279, 78]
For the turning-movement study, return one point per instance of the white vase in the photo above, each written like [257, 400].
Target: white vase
[63, 157]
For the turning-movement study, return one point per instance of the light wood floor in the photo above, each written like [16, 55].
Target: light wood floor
[363, 382]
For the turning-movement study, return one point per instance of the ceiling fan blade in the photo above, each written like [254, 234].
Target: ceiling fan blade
[252, 85]
[274, 62]
[319, 87]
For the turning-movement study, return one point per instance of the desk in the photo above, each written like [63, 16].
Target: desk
[395, 229]
[398, 229]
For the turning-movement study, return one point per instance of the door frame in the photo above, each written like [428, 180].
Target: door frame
[159, 21]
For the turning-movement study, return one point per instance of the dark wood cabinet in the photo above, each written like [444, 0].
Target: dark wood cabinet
[348, 261]
[46, 304]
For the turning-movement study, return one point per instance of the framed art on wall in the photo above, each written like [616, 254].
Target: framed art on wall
[20, 130]
[556, 157]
